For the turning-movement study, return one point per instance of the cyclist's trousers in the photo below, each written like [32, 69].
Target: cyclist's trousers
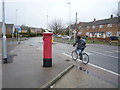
[80, 50]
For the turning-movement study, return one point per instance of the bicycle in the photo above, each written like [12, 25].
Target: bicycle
[84, 56]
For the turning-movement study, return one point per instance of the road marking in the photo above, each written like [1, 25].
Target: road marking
[95, 66]
[67, 55]
[88, 53]
[108, 52]
[104, 69]
[115, 51]
[106, 55]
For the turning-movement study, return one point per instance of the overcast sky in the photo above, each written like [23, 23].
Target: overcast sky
[34, 12]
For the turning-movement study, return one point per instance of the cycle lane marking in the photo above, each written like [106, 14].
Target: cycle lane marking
[95, 66]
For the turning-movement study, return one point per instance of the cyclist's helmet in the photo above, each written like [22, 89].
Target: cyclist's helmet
[78, 37]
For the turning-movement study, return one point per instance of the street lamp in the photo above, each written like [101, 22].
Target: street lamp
[17, 28]
[16, 16]
[47, 22]
[69, 17]
[16, 23]
[4, 46]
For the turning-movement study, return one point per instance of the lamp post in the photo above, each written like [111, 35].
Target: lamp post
[47, 22]
[4, 46]
[16, 23]
[69, 17]
[17, 28]
[16, 16]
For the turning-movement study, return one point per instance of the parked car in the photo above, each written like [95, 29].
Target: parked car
[66, 37]
[59, 35]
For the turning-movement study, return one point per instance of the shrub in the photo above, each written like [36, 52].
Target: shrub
[8, 35]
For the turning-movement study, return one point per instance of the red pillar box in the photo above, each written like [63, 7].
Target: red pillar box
[47, 50]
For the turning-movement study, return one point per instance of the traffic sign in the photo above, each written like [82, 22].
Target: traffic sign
[19, 29]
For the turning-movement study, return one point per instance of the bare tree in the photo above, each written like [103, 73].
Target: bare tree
[56, 26]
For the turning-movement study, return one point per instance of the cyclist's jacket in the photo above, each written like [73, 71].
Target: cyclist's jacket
[80, 43]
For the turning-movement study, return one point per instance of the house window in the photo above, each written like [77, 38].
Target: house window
[100, 26]
[79, 27]
[87, 33]
[109, 25]
[91, 34]
[88, 27]
[93, 26]
[108, 34]
[79, 33]
[118, 34]
[100, 33]
[119, 24]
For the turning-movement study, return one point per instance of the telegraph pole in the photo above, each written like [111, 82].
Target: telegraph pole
[75, 28]
[69, 17]
[4, 46]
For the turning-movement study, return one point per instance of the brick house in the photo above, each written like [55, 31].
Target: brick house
[100, 28]
[9, 28]
[39, 30]
[24, 29]
[33, 30]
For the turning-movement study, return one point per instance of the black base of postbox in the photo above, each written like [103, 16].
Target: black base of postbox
[47, 62]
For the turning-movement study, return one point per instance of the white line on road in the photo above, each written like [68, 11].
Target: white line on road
[96, 66]
[108, 52]
[115, 51]
[106, 55]
[88, 53]
[104, 69]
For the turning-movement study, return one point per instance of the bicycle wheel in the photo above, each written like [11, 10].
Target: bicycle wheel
[74, 55]
[85, 58]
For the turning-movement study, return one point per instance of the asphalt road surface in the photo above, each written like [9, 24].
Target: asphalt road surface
[104, 59]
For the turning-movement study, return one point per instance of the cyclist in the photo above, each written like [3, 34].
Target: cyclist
[81, 45]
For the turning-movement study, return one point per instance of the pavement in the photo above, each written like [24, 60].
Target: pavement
[25, 70]
[76, 78]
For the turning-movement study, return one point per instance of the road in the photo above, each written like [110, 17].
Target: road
[104, 59]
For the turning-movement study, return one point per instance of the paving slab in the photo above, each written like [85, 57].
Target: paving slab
[25, 69]
[76, 78]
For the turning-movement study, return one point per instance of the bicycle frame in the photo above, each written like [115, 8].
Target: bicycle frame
[85, 59]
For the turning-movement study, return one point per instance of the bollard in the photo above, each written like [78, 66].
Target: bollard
[47, 49]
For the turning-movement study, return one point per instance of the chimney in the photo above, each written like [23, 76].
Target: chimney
[111, 16]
